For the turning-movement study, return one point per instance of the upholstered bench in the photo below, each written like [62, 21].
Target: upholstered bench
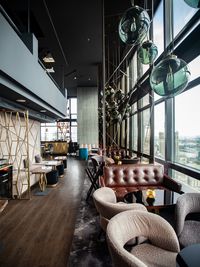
[133, 177]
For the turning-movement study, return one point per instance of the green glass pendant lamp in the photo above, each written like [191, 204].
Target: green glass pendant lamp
[134, 25]
[147, 52]
[170, 77]
[193, 3]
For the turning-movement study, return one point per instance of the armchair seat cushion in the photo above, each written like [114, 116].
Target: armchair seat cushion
[190, 234]
[153, 256]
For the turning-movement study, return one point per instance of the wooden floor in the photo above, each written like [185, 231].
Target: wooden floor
[39, 232]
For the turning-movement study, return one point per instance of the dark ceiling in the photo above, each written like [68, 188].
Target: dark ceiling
[72, 32]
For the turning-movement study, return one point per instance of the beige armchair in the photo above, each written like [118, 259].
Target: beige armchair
[161, 250]
[187, 216]
[107, 205]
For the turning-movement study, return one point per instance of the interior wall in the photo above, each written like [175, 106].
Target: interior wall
[19, 140]
[87, 116]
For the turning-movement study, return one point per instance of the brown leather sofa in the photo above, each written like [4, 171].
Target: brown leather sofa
[133, 177]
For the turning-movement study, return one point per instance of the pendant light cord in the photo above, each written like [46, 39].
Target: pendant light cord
[55, 32]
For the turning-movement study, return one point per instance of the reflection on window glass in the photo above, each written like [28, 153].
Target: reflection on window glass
[194, 68]
[135, 132]
[182, 14]
[187, 127]
[158, 25]
[146, 131]
[189, 184]
[159, 130]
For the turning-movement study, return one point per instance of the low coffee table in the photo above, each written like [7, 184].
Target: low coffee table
[163, 199]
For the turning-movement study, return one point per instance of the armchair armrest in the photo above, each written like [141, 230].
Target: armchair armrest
[171, 184]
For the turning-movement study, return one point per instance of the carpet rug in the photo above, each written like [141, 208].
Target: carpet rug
[38, 192]
[88, 250]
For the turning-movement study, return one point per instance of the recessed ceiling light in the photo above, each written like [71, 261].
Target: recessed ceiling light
[89, 79]
[75, 77]
[21, 100]
[43, 110]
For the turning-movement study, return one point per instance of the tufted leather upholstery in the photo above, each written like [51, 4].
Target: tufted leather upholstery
[128, 178]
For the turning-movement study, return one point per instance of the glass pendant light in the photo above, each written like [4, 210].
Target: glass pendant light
[134, 25]
[148, 52]
[193, 3]
[170, 77]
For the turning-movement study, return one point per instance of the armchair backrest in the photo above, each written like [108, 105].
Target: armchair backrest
[106, 203]
[186, 203]
[129, 224]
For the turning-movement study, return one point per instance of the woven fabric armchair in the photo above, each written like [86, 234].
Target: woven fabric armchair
[187, 216]
[107, 205]
[161, 250]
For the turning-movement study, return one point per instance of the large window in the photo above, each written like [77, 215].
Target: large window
[159, 130]
[49, 131]
[187, 127]
[158, 25]
[175, 138]
[134, 132]
[145, 119]
[182, 14]
[72, 119]
[189, 183]
[194, 68]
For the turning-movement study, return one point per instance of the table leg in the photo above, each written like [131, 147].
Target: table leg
[42, 181]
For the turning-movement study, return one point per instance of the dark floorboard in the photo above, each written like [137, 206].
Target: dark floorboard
[39, 232]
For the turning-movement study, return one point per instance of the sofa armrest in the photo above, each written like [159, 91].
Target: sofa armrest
[171, 184]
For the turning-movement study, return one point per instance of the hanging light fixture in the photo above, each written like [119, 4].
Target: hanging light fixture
[148, 52]
[170, 77]
[193, 3]
[134, 25]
